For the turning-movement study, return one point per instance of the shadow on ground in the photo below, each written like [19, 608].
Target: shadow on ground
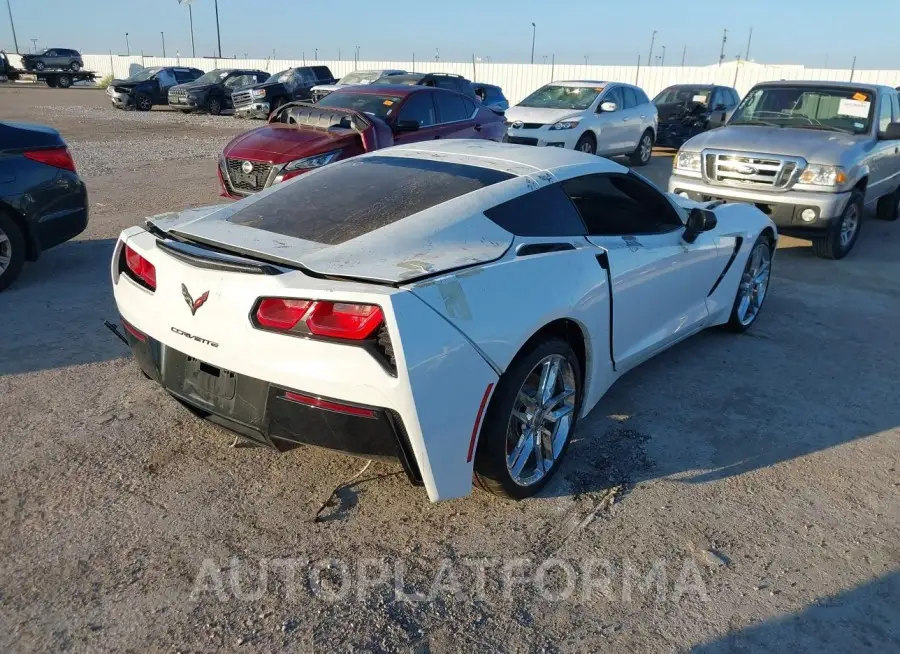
[53, 314]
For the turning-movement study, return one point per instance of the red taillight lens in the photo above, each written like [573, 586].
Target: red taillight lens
[281, 313]
[56, 157]
[339, 320]
[342, 320]
[319, 403]
[142, 269]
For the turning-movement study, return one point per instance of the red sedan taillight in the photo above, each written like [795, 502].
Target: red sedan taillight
[141, 270]
[339, 320]
[56, 157]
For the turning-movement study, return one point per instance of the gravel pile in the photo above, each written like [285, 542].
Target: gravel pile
[94, 158]
[155, 117]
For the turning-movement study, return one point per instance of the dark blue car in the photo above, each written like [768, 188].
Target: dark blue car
[43, 201]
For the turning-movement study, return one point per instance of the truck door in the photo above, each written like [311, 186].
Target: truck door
[165, 79]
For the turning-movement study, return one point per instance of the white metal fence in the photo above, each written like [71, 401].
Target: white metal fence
[518, 80]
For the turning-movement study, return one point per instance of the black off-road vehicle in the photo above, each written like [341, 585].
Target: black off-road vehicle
[212, 92]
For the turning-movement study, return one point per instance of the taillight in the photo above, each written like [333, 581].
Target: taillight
[328, 405]
[141, 269]
[56, 157]
[341, 320]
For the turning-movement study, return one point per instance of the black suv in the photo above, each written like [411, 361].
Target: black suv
[456, 83]
[212, 92]
[288, 85]
[53, 58]
[149, 87]
[685, 110]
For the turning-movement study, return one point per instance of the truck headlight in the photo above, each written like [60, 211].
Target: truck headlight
[312, 162]
[816, 175]
[258, 93]
[687, 161]
[565, 124]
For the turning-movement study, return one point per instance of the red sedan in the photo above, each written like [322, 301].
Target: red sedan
[348, 122]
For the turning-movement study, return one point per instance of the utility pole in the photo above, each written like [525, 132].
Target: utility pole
[127, 45]
[13, 27]
[663, 62]
[749, 38]
[585, 59]
[317, 54]
[736, 69]
[34, 45]
[724, 40]
[218, 34]
[162, 34]
[533, 35]
[650, 56]
[637, 73]
[683, 53]
[853, 68]
[545, 60]
[191, 18]
[552, 66]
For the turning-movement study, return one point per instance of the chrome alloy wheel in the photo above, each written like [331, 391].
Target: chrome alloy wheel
[587, 147]
[646, 148]
[541, 420]
[849, 225]
[5, 251]
[754, 284]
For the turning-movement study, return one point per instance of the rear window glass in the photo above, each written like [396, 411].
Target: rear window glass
[545, 212]
[345, 201]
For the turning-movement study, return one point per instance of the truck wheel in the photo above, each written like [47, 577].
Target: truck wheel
[39, 65]
[889, 206]
[529, 421]
[753, 286]
[842, 233]
[214, 106]
[143, 102]
[51, 82]
[74, 66]
[64, 81]
[12, 251]
[643, 152]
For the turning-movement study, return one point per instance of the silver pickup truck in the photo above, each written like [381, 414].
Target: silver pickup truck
[812, 155]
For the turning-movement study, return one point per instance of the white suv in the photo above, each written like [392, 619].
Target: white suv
[605, 118]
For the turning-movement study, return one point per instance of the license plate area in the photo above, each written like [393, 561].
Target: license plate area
[207, 382]
[243, 179]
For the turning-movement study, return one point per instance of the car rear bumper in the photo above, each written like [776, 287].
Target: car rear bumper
[253, 110]
[784, 209]
[267, 414]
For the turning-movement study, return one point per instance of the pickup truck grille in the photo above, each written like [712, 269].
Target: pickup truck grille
[241, 98]
[750, 170]
[243, 183]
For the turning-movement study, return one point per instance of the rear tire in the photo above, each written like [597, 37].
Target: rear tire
[841, 235]
[12, 251]
[889, 206]
[644, 151]
[753, 286]
[185, 111]
[587, 143]
[507, 462]
[74, 66]
[63, 81]
[214, 106]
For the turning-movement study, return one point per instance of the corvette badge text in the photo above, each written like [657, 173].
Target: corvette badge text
[199, 339]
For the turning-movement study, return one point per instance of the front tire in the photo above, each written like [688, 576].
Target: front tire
[63, 81]
[214, 106]
[530, 420]
[643, 152]
[143, 102]
[39, 65]
[587, 144]
[753, 287]
[12, 251]
[842, 234]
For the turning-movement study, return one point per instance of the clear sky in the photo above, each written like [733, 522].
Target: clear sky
[609, 32]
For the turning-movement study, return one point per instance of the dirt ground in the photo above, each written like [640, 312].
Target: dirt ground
[737, 493]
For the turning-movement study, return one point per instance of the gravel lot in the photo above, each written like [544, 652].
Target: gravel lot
[734, 494]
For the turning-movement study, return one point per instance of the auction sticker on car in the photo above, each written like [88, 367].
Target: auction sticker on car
[855, 108]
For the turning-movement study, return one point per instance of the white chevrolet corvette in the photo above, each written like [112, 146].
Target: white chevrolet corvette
[457, 305]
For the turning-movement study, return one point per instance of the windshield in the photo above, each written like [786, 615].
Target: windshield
[562, 97]
[143, 75]
[374, 104]
[684, 95]
[360, 77]
[213, 76]
[832, 109]
[283, 76]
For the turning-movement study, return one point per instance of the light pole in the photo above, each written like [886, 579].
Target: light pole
[34, 47]
[164, 43]
[218, 34]
[533, 35]
[317, 54]
[663, 62]
[127, 45]
[650, 56]
[191, 18]
[13, 26]
[585, 59]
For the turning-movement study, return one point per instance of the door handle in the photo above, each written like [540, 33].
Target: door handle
[624, 120]
[477, 128]
[643, 116]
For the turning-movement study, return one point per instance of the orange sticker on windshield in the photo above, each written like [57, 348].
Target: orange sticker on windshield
[860, 96]
[598, 89]
[388, 103]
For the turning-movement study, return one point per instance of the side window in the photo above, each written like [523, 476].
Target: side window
[895, 99]
[614, 95]
[884, 117]
[545, 212]
[51, 53]
[236, 81]
[470, 107]
[306, 77]
[621, 205]
[261, 77]
[641, 97]
[420, 108]
[182, 76]
[629, 97]
[322, 73]
[446, 83]
[166, 78]
[451, 107]
[717, 99]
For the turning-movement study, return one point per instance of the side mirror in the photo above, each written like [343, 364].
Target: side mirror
[608, 107]
[406, 126]
[699, 221]
[892, 133]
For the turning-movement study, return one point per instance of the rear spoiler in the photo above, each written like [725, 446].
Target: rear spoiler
[373, 133]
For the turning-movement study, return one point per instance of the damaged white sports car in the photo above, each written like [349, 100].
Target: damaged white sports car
[457, 305]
